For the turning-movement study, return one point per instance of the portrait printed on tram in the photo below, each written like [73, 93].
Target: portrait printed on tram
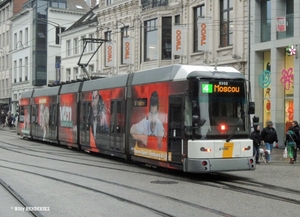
[99, 114]
[150, 126]
[44, 119]
[26, 118]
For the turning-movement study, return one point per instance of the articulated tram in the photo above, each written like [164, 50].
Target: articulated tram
[183, 117]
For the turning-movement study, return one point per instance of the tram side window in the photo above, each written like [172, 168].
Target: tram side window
[188, 116]
[22, 114]
[52, 118]
[119, 116]
[85, 115]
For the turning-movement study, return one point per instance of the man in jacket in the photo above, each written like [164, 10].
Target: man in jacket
[269, 136]
[296, 131]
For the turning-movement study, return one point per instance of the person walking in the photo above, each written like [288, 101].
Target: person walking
[2, 118]
[296, 130]
[255, 136]
[269, 136]
[290, 142]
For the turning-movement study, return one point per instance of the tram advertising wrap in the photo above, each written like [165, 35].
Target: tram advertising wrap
[149, 121]
[190, 118]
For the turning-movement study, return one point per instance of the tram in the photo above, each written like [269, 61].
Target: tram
[183, 117]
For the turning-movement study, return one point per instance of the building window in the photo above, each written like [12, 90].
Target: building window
[151, 40]
[57, 68]
[91, 69]
[166, 38]
[83, 49]
[199, 12]
[288, 10]
[75, 43]
[109, 2]
[147, 4]
[92, 45]
[58, 31]
[75, 71]
[20, 70]
[68, 75]
[26, 37]
[124, 34]
[226, 25]
[26, 68]
[69, 48]
[15, 40]
[265, 20]
[15, 71]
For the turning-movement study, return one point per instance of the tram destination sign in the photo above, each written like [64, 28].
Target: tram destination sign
[221, 87]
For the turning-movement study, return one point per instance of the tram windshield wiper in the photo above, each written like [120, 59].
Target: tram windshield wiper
[238, 124]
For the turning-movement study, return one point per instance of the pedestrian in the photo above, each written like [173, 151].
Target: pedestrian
[296, 130]
[290, 143]
[13, 120]
[2, 119]
[255, 136]
[9, 119]
[269, 136]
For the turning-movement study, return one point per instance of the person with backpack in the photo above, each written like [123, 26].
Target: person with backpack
[291, 143]
[269, 136]
[9, 119]
[296, 130]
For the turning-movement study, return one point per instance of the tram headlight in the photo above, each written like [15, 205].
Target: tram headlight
[205, 149]
[247, 148]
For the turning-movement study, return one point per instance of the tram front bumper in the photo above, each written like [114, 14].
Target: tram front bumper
[196, 165]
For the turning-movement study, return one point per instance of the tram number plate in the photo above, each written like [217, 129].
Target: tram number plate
[228, 150]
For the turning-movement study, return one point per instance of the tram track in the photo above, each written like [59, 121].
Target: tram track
[27, 207]
[154, 210]
[217, 180]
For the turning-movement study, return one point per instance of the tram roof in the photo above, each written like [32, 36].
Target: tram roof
[26, 94]
[46, 91]
[105, 83]
[70, 88]
[182, 72]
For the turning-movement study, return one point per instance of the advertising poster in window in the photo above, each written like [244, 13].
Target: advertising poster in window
[68, 118]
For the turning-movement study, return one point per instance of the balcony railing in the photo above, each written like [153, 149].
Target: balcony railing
[148, 4]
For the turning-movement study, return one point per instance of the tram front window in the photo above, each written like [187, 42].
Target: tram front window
[222, 104]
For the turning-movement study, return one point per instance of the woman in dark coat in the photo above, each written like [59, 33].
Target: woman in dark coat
[255, 136]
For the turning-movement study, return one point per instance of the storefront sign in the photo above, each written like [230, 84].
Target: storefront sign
[281, 24]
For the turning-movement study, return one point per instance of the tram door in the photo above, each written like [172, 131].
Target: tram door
[175, 127]
[116, 125]
[52, 122]
[34, 120]
[85, 123]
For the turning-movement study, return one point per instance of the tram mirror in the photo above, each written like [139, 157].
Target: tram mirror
[197, 121]
[251, 109]
[255, 119]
